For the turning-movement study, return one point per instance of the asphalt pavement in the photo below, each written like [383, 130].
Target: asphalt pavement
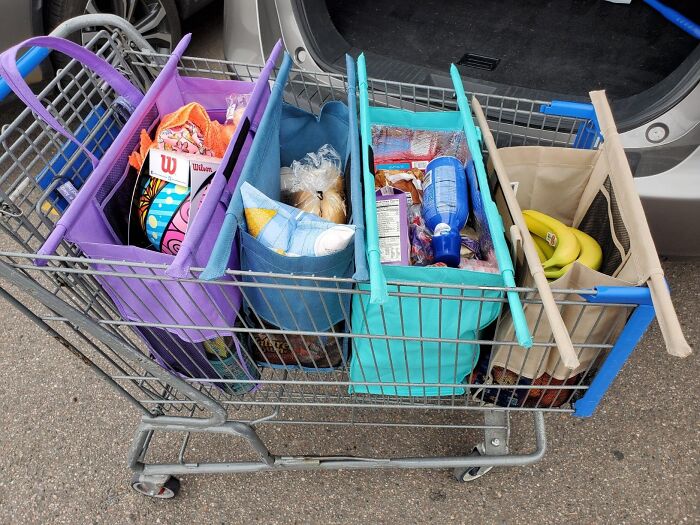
[64, 437]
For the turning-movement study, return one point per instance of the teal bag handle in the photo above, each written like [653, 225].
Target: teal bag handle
[378, 288]
[492, 216]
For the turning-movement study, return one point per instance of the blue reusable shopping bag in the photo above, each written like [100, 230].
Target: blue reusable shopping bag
[287, 133]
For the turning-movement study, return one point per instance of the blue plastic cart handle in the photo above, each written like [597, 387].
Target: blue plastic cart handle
[26, 64]
[564, 108]
[588, 133]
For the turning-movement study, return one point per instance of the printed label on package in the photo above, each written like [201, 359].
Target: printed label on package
[388, 224]
[169, 167]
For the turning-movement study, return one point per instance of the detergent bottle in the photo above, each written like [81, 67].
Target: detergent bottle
[445, 207]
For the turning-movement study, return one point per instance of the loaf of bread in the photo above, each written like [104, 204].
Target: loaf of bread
[328, 204]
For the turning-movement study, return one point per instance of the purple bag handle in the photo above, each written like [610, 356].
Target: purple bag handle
[14, 79]
[180, 267]
[132, 127]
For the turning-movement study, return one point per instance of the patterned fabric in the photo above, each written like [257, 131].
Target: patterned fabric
[164, 210]
[189, 130]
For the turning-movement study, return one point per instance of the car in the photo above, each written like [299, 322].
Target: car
[159, 21]
[649, 67]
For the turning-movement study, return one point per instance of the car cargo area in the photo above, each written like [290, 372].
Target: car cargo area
[567, 47]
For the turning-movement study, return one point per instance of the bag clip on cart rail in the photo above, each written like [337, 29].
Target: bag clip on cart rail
[68, 294]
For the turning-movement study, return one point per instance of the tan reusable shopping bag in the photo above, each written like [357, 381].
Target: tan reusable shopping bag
[591, 190]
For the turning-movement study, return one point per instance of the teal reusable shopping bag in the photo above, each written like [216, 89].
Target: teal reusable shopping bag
[415, 332]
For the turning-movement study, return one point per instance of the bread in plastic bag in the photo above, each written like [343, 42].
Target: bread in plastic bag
[314, 184]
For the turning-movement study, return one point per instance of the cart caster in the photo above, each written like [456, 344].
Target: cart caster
[161, 487]
[472, 473]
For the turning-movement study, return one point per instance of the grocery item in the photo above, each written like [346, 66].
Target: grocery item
[283, 350]
[165, 207]
[547, 243]
[522, 394]
[408, 181]
[445, 207]
[187, 130]
[290, 231]
[421, 241]
[406, 148]
[469, 241]
[235, 107]
[544, 250]
[228, 365]
[164, 211]
[557, 234]
[314, 184]
[591, 255]
[392, 224]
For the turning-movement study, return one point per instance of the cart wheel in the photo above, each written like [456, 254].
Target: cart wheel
[167, 490]
[472, 473]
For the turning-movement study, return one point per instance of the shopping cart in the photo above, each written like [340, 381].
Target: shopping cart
[61, 293]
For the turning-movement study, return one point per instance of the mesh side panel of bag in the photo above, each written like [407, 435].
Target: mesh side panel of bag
[604, 223]
[119, 166]
[619, 226]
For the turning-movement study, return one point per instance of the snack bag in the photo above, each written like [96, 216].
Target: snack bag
[235, 108]
[409, 181]
[414, 148]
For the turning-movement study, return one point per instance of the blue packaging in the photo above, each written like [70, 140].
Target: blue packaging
[445, 207]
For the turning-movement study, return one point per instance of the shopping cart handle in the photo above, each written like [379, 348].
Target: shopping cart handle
[26, 64]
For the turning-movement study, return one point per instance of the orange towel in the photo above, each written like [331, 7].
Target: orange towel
[188, 130]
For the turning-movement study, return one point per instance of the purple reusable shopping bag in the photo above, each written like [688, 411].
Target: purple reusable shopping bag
[159, 298]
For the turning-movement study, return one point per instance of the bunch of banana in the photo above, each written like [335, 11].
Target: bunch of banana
[559, 245]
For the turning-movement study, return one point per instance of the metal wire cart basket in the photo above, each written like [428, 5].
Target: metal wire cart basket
[65, 295]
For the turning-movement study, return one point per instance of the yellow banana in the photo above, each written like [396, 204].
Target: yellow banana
[591, 255]
[557, 234]
[556, 271]
[546, 249]
[540, 254]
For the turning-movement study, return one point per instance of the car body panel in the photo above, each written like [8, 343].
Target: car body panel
[671, 202]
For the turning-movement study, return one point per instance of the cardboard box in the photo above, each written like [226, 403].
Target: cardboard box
[185, 169]
[392, 223]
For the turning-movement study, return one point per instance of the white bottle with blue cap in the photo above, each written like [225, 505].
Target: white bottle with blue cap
[445, 207]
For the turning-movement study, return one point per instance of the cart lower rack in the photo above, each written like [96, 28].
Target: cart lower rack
[75, 307]
[311, 385]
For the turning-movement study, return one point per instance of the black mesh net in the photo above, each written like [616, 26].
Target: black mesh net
[603, 221]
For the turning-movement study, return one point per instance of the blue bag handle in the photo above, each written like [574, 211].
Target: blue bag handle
[220, 255]
[358, 214]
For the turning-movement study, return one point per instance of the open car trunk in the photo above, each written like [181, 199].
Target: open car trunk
[526, 48]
